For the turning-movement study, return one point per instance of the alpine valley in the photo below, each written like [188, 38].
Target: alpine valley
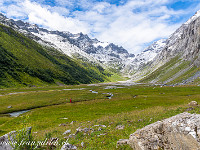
[59, 91]
[167, 61]
[102, 57]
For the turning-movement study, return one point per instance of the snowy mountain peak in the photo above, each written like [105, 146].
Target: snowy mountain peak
[81, 46]
[156, 46]
[146, 56]
[196, 15]
[2, 16]
[101, 44]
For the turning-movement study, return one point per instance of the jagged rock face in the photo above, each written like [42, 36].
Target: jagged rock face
[183, 46]
[150, 52]
[178, 132]
[185, 41]
[140, 60]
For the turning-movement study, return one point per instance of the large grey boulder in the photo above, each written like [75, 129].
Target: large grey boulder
[180, 132]
[5, 141]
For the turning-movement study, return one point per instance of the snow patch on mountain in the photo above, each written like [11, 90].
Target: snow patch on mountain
[197, 15]
[102, 44]
[83, 47]
[146, 56]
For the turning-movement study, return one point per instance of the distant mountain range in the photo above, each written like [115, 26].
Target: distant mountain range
[166, 61]
[80, 46]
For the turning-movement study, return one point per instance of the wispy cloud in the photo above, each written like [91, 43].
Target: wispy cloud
[131, 23]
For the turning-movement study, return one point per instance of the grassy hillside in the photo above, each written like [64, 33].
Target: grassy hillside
[174, 71]
[23, 62]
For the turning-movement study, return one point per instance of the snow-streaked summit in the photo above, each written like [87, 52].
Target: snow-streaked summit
[197, 15]
[81, 46]
[145, 56]
[102, 44]
[78, 45]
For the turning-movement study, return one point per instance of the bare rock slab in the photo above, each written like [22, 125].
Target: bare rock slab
[180, 132]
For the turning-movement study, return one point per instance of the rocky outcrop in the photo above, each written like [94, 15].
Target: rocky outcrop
[180, 132]
[5, 141]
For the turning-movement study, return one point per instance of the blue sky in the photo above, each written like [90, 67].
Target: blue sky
[133, 24]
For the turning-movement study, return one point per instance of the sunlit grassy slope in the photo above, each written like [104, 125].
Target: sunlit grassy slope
[24, 62]
[131, 106]
[174, 71]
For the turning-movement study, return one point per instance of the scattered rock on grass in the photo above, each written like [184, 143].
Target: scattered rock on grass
[104, 126]
[64, 118]
[7, 138]
[120, 127]
[62, 124]
[72, 122]
[102, 134]
[86, 130]
[79, 129]
[71, 136]
[134, 96]
[100, 129]
[140, 120]
[193, 103]
[9, 107]
[122, 142]
[189, 109]
[67, 132]
[68, 146]
[82, 144]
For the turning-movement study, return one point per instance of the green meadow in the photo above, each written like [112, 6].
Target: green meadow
[51, 112]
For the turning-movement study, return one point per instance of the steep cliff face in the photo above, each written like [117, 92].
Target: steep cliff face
[185, 41]
[180, 58]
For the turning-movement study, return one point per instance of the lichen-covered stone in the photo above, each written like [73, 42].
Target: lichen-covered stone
[178, 132]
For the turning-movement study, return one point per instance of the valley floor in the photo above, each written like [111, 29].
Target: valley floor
[98, 109]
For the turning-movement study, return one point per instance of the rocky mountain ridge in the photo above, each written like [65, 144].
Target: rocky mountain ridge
[83, 47]
[74, 45]
[180, 58]
[140, 60]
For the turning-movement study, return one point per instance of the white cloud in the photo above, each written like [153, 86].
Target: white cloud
[132, 24]
[123, 26]
[53, 20]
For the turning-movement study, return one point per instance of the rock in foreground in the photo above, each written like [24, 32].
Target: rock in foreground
[178, 132]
